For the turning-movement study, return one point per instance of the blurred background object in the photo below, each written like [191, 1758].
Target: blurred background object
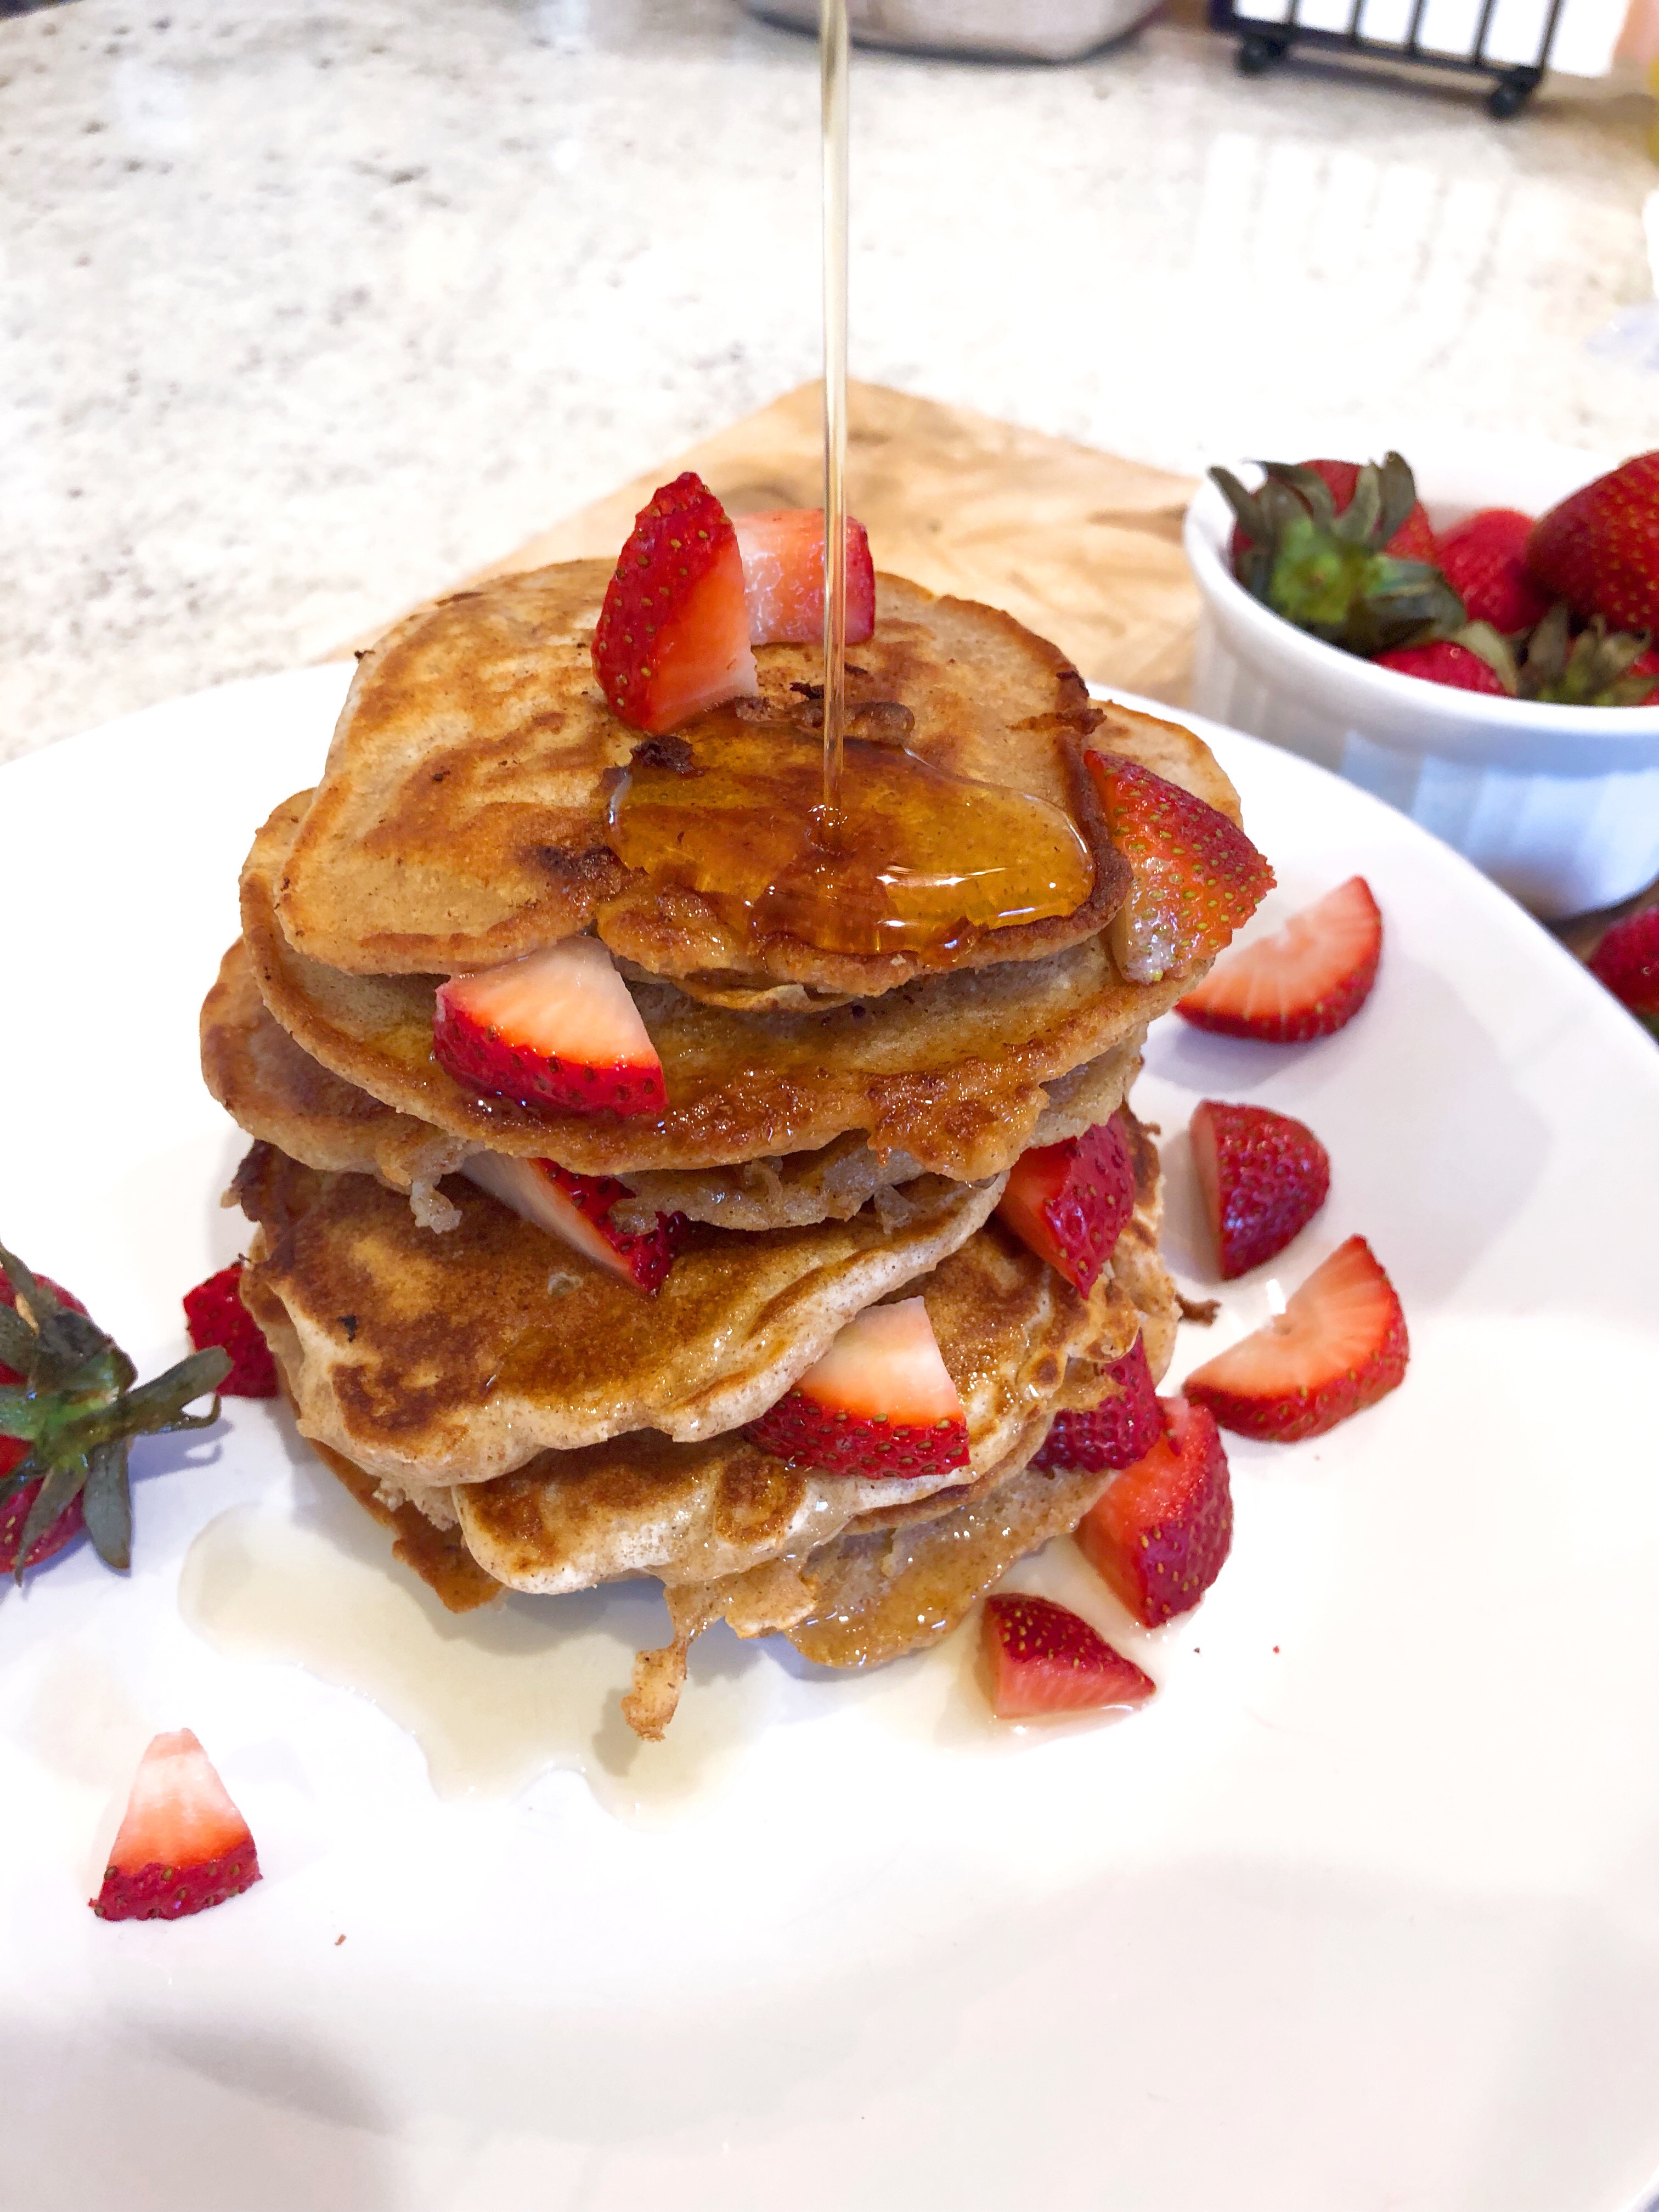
[304, 314]
[1035, 30]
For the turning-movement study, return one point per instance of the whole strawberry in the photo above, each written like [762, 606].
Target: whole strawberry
[1484, 559]
[1443, 660]
[1415, 540]
[1599, 550]
[1331, 564]
[1627, 962]
[71, 1398]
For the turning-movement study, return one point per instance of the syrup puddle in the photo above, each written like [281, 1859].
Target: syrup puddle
[494, 1697]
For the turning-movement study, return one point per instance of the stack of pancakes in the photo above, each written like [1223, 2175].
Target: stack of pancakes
[839, 1131]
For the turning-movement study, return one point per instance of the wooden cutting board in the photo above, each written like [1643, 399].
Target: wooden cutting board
[1083, 546]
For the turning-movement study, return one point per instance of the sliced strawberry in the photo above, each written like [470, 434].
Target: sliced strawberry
[879, 1402]
[1119, 1431]
[1308, 979]
[672, 636]
[1197, 877]
[556, 1030]
[1069, 1202]
[783, 576]
[214, 1314]
[1043, 1659]
[1339, 1346]
[1161, 1533]
[1626, 963]
[182, 1845]
[577, 1208]
[1263, 1175]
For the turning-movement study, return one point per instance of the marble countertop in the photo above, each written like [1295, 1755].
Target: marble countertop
[305, 311]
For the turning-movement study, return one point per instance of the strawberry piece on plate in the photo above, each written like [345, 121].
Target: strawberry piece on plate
[879, 1402]
[1069, 1202]
[1118, 1432]
[556, 1030]
[1308, 979]
[1626, 963]
[214, 1314]
[783, 576]
[1339, 1344]
[1043, 1659]
[183, 1845]
[1484, 559]
[1197, 876]
[577, 1209]
[1263, 1175]
[1161, 1533]
[672, 637]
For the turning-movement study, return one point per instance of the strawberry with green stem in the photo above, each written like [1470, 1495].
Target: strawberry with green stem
[1330, 569]
[75, 1407]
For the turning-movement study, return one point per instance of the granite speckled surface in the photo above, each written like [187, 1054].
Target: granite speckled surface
[305, 310]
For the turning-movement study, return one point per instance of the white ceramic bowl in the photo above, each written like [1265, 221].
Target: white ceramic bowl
[1559, 805]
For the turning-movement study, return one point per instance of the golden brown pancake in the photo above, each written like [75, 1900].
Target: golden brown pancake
[952, 1070]
[273, 1089]
[1011, 1333]
[461, 818]
[451, 1360]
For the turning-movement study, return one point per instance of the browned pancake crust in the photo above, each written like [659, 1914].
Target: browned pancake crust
[275, 1090]
[1011, 1333]
[951, 1070]
[461, 818]
[430, 1359]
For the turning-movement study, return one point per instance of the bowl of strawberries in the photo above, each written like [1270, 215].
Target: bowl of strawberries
[1475, 638]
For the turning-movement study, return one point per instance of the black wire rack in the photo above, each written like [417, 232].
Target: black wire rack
[1263, 44]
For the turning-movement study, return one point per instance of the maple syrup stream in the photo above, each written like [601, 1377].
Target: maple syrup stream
[832, 61]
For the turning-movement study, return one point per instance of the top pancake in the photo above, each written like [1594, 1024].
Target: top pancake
[461, 818]
[951, 1070]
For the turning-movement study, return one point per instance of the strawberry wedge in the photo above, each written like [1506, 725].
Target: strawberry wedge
[1339, 1344]
[1197, 876]
[1263, 1177]
[1308, 979]
[556, 1030]
[782, 554]
[672, 636]
[576, 1208]
[1118, 1432]
[1042, 1659]
[1160, 1535]
[182, 1845]
[1069, 1202]
[880, 1402]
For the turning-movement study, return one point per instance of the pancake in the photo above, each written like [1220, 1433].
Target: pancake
[461, 818]
[1010, 1332]
[450, 1360]
[276, 1092]
[952, 1070]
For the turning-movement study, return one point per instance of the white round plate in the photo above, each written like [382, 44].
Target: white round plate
[1361, 1911]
